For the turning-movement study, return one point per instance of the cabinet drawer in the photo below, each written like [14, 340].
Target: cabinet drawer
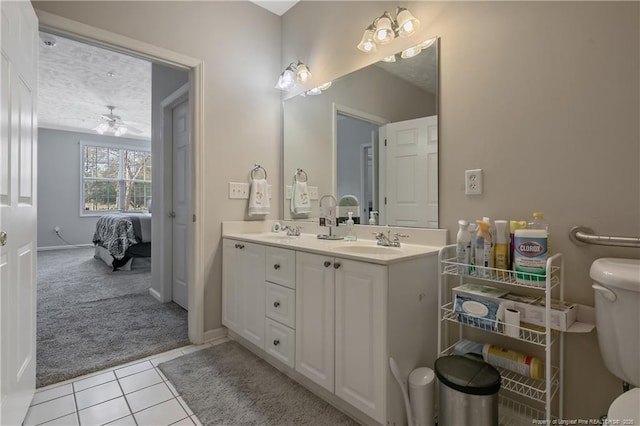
[281, 266]
[280, 342]
[280, 304]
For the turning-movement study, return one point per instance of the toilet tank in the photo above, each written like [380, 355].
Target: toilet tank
[617, 297]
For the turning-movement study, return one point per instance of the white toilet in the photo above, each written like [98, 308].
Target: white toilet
[617, 296]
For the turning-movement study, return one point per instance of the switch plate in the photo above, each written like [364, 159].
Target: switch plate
[287, 192]
[238, 191]
[473, 182]
[313, 192]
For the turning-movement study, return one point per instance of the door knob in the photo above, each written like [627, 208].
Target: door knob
[327, 263]
[3, 238]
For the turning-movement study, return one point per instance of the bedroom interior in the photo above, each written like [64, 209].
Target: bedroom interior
[94, 230]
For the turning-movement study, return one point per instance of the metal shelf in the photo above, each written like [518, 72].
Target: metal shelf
[526, 334]
[503, 276]
[514, 413]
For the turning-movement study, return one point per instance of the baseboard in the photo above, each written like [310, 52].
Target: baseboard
[215, 334]
[65, 247]
[155, 294]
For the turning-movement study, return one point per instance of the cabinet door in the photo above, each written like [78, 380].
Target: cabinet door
[252, 283]
[315, 318]
[231, 286]
[280, 266]
[361, 315]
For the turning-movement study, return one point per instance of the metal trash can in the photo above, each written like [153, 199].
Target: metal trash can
[468, 391]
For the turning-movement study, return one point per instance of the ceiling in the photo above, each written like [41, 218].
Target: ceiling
[278, 7]
[421, 70]
[77, 81]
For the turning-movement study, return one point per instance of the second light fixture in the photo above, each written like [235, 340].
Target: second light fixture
[384, 29]
[293, 73]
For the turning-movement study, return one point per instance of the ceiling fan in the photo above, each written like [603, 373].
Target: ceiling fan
[114, 124]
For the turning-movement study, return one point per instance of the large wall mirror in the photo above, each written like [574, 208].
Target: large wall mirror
[372, 136]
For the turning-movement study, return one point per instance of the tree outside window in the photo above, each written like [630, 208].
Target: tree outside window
[115, 179]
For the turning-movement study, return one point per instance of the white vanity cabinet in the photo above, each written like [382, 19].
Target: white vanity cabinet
[341, 322]
[243, 275]
[336, 320]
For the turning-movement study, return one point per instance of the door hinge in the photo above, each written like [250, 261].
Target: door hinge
[194, 217]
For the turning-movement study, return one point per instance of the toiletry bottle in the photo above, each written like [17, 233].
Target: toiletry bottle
[351, 229]
[463, 247]
[501, 247]
[530, 256]
[483, 249]
[513, 225]
[372, 217]
[538, 222]
[523, 364]
[472, 228]
[492, 232]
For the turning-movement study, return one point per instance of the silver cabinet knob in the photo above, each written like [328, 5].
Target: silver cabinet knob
[3, 238]
[276, 304]
[276, 342]
[336, 265]
[239, 246]
[327, 263]
[276, 266]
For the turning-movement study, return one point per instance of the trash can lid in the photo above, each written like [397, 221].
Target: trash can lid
[467, 375]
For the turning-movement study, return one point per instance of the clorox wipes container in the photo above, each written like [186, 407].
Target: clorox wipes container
[530, 256]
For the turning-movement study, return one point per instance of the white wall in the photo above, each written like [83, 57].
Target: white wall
[545, 98]
[239, 44]
[59, 185]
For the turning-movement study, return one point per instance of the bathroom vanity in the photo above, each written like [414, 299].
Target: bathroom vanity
[330, 314]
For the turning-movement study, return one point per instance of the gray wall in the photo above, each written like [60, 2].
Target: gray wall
[240, 45]
[164, 81]
[544, 97]
[59, 185]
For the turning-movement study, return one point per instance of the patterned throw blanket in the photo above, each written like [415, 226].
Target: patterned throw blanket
[115, 232]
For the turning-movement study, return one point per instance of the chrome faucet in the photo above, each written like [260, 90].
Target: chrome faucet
[385, 241]
[292, 231]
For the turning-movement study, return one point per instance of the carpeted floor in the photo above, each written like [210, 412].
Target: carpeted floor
[228, 385]
[90, 318]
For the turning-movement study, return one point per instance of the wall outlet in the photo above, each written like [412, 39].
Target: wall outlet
[238, 191]
[473, 182]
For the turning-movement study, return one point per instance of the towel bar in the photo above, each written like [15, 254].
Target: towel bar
[300, 172]
[582, 234]
[256, 168]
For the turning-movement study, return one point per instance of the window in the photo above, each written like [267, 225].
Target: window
[114, 179]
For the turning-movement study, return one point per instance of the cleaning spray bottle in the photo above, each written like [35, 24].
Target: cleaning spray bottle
[501, 248]
[463, 247]
[483, 249]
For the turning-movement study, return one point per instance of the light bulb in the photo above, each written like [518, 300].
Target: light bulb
[410, 52]
[303, 73]
[390, 58]
[325, 86]
[407, 23]
[384, 29]
[314, 91]
[367, 44]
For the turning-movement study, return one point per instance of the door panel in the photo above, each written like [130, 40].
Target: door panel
[315, 318]
[412, 153]
[182, 219]
[18, 138]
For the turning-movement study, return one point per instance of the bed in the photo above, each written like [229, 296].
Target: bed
[121, 237]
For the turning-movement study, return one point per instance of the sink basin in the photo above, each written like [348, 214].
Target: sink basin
[368, 249]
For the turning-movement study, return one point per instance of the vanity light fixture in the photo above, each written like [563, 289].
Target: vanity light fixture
[293, 73]
[384, 29]
[390, 58]
[317, 90]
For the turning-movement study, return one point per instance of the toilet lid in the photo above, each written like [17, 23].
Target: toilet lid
[626, 407]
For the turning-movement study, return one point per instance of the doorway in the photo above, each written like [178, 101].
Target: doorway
[195, 332]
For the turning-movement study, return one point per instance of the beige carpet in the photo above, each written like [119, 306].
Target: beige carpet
[228, 385]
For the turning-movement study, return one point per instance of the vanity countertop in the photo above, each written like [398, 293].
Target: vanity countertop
[362, 250]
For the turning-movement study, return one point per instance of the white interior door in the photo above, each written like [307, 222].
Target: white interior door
[181, 211]
[18, 138]
[412, 170]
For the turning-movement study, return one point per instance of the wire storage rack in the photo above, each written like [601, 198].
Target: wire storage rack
[516, 390]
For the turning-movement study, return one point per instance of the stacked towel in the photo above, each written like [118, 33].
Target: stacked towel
[300, 202]
[259, 198]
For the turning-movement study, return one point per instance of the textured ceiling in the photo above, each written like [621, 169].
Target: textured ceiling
[421, 70]
[74, 88]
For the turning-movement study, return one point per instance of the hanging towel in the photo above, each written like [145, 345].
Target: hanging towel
[300, 202]
[259, 198]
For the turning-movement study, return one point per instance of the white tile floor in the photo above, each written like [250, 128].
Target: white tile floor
[132, 394]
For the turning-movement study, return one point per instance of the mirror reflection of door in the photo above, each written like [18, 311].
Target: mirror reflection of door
[357, 168]
[412, 172]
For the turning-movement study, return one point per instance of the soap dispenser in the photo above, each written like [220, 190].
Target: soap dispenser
[351, 229]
